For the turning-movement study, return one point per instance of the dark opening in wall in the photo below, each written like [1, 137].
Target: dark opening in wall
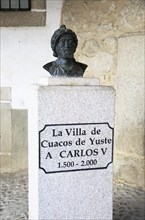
[22, 13]
[15, 5]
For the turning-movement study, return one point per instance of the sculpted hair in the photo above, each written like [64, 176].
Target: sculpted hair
[58, 33]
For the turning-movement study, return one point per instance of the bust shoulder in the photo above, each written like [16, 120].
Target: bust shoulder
[50, 67]
[55, 69]
[79, 69]
[82, 66]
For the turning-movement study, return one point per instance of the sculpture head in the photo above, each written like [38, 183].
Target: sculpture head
[64, 43]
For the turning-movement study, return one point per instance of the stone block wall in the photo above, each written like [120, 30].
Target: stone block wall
[16, 158]
[5, 120]
[111, 42]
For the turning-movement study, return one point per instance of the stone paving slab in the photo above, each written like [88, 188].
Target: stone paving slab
[129, 202]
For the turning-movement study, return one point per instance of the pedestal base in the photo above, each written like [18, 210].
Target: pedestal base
[72, 175]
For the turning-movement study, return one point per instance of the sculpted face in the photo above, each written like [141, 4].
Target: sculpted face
[66, 46]
[64, 43]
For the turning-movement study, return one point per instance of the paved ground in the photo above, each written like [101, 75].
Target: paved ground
[129, 203]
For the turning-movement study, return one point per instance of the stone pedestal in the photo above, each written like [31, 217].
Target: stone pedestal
[71, 169]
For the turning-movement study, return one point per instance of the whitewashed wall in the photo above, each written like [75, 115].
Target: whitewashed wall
[24, 50]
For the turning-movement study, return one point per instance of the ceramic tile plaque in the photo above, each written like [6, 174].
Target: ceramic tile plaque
[75, 147]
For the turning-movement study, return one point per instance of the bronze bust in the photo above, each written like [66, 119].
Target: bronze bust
[64, 43]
